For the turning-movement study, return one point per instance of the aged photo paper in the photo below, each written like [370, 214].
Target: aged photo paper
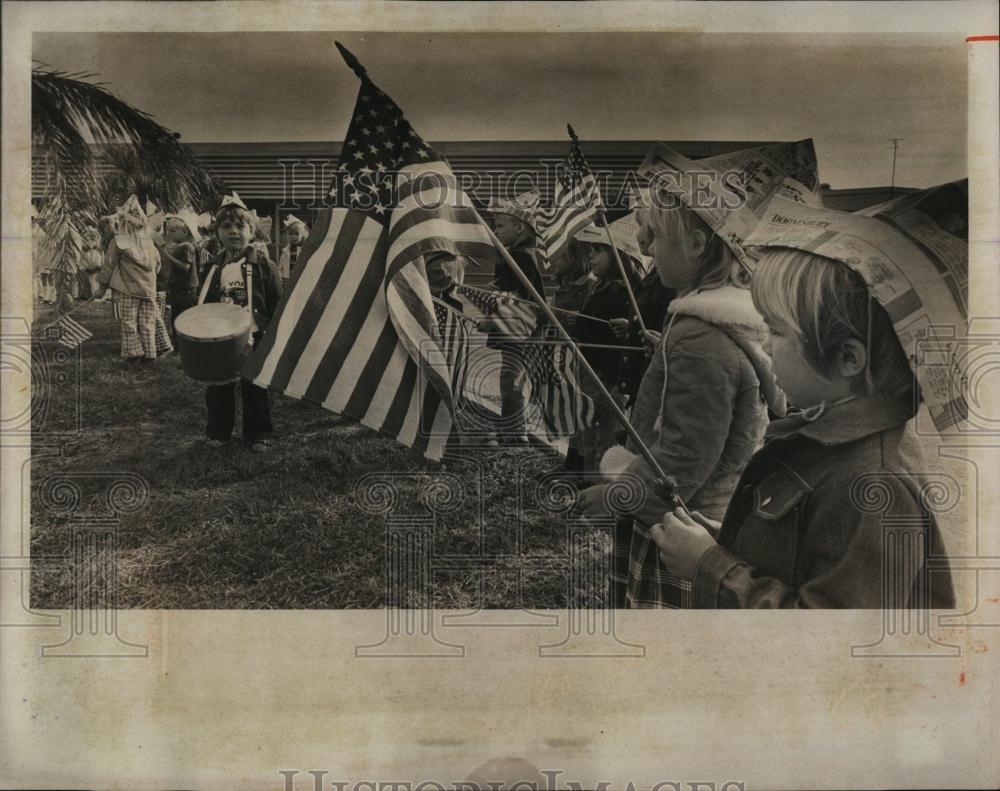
[485, 521]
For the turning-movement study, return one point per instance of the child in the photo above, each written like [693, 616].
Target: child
[244, 276]
[513, 220]
[702, 405]
[653, 298]
[91, 259]
[131, 263]
[180, 233]
[296, 232]
[574, 282]
[795, 534]
[608, 300]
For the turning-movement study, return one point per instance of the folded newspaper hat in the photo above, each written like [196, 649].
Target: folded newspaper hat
[189, 218]
[910, 253]
[291, 220]
[521, 207]
[233, 199]
[729, 191]
[624, 235]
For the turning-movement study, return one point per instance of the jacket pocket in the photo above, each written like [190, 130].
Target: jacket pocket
[769, 538]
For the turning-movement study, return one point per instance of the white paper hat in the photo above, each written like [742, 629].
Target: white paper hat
[521, 207]
[624, 235]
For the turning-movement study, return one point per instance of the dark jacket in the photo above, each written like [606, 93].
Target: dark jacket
[528, 258]
[818, 509]
[183, 266]
[607, 300]
[570, 295]
[266, 284]
[653, 298]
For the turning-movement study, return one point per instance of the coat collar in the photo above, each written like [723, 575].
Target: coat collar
[847, 422]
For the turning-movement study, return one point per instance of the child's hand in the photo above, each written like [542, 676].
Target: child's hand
[682, 541]
[590, 502]
[651, 337]
[619, 327]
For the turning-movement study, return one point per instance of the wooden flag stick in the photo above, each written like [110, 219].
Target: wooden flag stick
[646, 453]
[625, 277]
[530, 302]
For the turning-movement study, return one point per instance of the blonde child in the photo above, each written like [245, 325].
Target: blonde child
[91, 258]
[702, 405]
[296, 232]
[795, 534]
[180, 249]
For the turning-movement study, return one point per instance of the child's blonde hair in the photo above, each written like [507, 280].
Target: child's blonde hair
[717, 266]
[824, 303]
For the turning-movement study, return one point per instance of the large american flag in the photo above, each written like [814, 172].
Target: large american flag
[576, 201]
[356, 330]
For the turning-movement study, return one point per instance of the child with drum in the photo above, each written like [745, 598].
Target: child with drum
[241, 275]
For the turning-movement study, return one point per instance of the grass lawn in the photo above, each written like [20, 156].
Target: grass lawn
[226, 528]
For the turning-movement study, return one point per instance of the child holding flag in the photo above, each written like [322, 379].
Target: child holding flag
[243, 275]
[702, 405]
[513, 220]
[802, 530]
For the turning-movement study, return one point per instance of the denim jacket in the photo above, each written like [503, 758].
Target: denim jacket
[816, 511]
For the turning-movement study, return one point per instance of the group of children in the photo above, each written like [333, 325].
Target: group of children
[157, 266]
[764, 386]
[759, 505]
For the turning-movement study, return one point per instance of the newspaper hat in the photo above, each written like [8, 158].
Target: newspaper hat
[233, 199]
[624, 235]
[189, 218]
[291, 220]
[729, 191]
[521, 207]
[914, 266]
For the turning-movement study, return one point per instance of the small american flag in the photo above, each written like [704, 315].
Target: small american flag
[68, 332]
[576, 201]
[555, 387]
[455, 342]
[510, 316]
[357, 330]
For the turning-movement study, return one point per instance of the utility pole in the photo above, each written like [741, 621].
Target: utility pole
[892, 182]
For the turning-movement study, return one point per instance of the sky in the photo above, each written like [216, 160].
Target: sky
[850, 93]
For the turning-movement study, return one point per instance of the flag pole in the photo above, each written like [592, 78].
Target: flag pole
[614, 248]
[539, 300]
[628, 284]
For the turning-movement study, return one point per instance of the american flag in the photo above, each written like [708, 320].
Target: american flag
[510, 316]
[68, 332]
[555, 387]
[455, 342]
[576, 201]
[356, 330]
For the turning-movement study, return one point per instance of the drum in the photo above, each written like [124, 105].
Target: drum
[213, 341]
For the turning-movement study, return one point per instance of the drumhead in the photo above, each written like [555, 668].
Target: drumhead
[214, 321]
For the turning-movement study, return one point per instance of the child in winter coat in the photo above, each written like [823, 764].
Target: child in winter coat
[242, 275]
[803, 529]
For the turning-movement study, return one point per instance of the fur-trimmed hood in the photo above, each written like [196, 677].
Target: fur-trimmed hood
[731, 309]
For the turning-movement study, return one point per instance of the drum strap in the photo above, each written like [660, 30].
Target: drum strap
[206, 284]
[247, 277]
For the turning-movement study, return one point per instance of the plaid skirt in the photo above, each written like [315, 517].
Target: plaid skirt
[638, 577]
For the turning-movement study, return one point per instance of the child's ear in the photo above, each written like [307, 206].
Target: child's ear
[852, 358]
[697, 242]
